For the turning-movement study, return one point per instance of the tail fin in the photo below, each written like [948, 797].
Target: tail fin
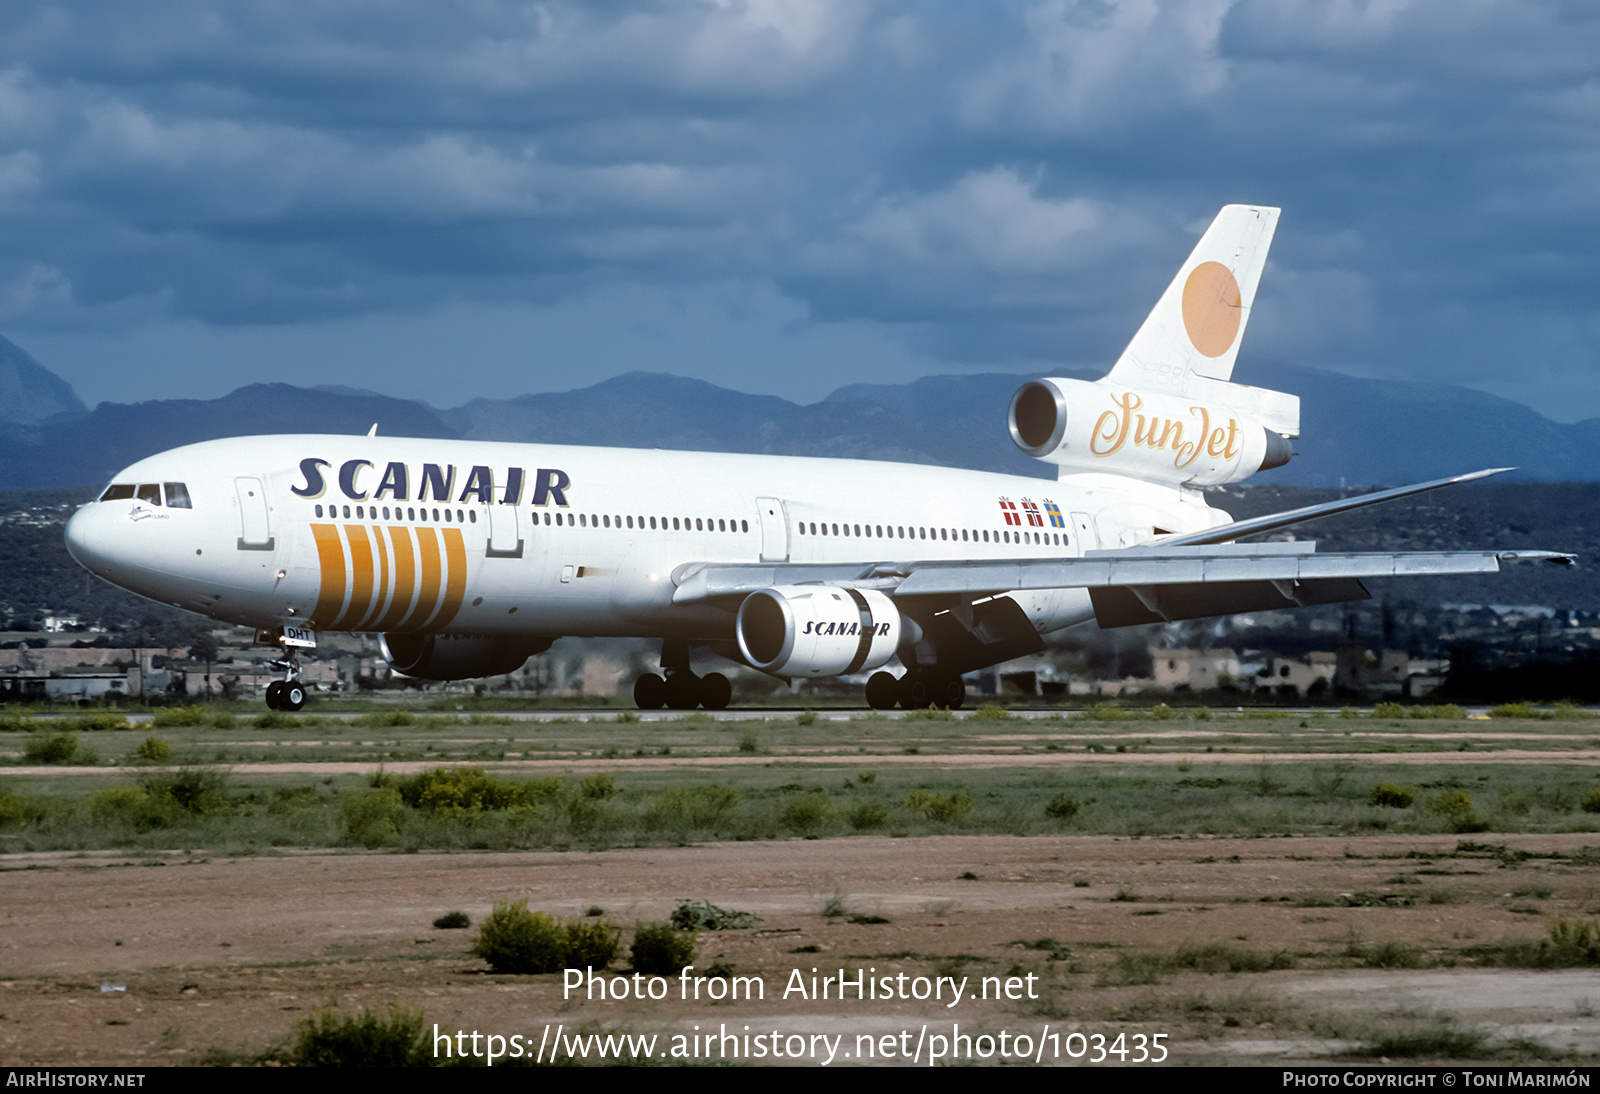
[1197, 325]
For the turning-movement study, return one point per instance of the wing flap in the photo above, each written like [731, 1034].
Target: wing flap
[1123, 606]
[1223, 564]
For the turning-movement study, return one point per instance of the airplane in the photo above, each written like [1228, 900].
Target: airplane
[469, 557]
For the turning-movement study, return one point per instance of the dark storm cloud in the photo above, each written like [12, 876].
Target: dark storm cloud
[978, 185]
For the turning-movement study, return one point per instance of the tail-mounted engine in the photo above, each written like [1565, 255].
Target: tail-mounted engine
[458, 657]
[1154, 436]
[817, 630]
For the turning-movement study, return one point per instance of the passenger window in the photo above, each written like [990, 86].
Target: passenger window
[150, 492]
[744, 525]
[177, 496]
[319, 510]
[117, 492]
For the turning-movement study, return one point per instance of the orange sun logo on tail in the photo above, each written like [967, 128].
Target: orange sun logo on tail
[1211, 308]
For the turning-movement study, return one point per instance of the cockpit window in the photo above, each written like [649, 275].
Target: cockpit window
[150, 493]
[117, 491]
[177, 495]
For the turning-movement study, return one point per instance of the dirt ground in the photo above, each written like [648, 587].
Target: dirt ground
[110, 959]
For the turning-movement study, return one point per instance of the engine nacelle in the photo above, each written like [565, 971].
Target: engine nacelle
[1149, 435]
[458, 657]
[817, 630]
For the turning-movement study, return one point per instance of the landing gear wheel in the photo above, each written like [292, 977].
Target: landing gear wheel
[292, 696]
[915, 692]
[882, 691]
[649, 692]
[275, 695]
[950, 692]
[683, 691]
[715, 691]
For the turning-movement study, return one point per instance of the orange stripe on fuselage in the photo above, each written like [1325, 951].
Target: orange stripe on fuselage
[405, 579]
[330, 562]
[428, 579]
[380, 547]
[455, 586]
[360, 576]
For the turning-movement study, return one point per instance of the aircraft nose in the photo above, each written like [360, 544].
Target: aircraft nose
[81, 537]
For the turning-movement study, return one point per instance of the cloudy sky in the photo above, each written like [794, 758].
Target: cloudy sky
[479, 198]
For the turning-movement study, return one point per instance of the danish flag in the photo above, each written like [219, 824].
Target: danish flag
[1009, 511]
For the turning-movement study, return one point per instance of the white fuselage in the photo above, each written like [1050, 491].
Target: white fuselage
[385, 534]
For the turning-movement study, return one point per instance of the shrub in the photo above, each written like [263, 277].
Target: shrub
[659, 950]
[599, 787]
[1452, 804]
[691, 806]
[1388, 710]
[201, 791]
[381, 718]
[98, 720]
[460, 790]
[1513, 710]
[591, 944]
[1443, 710]
[1392, 796]
[176, 717]
[154, 750]
[991, 712]
[1591, 804]
[513, 939]
[804, 814]
[453, 921]
[53, 748]
[702, 915]
[945, 808]
[1061, 807]
[371, 818]
[132, 806]
[866, 815]
[18, 810]
[325, 1039]
[804, 718]
[1455, 806]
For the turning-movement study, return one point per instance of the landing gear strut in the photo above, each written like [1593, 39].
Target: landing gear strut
[289, 693]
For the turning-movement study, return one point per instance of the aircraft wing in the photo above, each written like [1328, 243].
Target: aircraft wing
[1145, 584]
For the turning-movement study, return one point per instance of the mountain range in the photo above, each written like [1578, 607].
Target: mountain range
[1354, 431]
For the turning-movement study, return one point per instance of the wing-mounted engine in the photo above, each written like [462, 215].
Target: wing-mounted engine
[817, 630]
[1152, 435]
[458, 657]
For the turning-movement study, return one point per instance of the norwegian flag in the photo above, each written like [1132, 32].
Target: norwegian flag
[1034, 519]
[1054, 512]
[1008, 510]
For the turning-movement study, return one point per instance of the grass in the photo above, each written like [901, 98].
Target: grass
[781, 792]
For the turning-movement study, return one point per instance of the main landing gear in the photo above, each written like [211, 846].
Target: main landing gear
[682, 690]
[916, 690]
[289, 693]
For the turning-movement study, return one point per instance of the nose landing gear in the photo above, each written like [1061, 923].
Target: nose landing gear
[288, 694]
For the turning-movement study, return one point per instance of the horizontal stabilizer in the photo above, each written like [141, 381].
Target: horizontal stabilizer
[1225, 533]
